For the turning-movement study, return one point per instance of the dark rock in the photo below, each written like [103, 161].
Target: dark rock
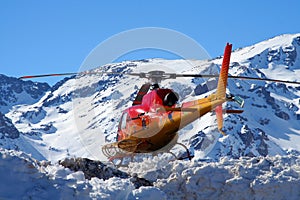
[274, 55]
[60, 83]
[291, 55]
[60, 110]
[47, 128]
[205, 87]
[92, 168]
[282, 115]
[264, 121]
[49, 101]
[262, 147]
[247, 136]
[282, 87]
[7, 128]
[197, 140]
[34, 116]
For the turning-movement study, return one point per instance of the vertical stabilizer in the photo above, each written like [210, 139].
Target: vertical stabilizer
[221, 89]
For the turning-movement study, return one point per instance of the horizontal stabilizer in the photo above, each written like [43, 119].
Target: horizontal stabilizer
[237, 99]
[163, 109]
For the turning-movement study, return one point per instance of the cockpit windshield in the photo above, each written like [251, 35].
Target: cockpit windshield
[124, 120]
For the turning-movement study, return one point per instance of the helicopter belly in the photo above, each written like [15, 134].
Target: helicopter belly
[153, 139]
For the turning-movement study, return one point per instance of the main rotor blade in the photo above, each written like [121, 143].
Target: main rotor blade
[150, 75]
[263, 79]
[46, 75]
[198, 75]
[70, 74]
[237, 77]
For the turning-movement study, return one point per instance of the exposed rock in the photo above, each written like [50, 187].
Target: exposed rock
[34, 115]
[7, 129]
[282, 115]
[205, 87]
[196, 140]
[92, 168]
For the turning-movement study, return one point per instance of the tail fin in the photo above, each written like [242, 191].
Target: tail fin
[221, 89]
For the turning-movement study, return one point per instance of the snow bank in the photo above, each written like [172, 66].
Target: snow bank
[268, 177]
[244, 178]
[22, 177]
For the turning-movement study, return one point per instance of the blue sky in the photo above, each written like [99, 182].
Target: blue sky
[55, 36]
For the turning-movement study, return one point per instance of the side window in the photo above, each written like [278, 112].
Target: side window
[123, 121]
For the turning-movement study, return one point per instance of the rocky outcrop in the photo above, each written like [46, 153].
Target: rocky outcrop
[93, 168]
[7, 129]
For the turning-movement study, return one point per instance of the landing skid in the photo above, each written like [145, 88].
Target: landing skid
[188, 153]
[121, 158]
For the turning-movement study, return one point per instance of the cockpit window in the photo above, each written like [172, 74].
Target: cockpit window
[123, 120]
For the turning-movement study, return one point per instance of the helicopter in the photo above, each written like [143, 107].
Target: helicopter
[151, 123]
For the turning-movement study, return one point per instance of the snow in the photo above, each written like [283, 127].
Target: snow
[148, 193]
[258, 159]
[276, 177]
[23, 177]
[280, 71]
[254, 178]
[273, 43]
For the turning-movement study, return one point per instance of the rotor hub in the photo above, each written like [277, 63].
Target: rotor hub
[157, 76]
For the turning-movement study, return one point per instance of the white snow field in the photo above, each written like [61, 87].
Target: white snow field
[271, 177]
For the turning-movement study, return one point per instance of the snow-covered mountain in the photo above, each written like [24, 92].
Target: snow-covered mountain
[270, 123]
[79, 114]
[17, 92]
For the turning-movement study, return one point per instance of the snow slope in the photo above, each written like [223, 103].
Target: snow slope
[22, 177]
[277, 177]
[79, 114]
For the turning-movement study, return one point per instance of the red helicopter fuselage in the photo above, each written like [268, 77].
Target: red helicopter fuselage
[153, 125]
